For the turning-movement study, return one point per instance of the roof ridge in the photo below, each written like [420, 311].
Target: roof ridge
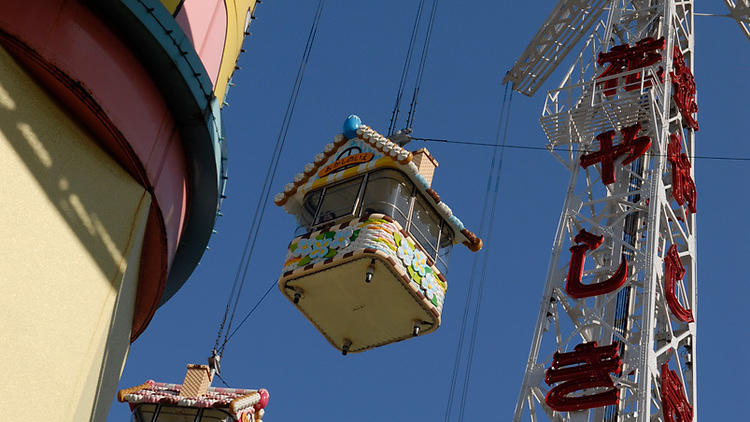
[399, 155]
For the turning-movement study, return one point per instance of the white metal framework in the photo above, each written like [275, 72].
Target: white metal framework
[623, 267]
[568, 22]
[740, 11]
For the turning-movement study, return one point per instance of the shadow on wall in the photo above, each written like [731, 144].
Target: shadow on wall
[72, 232]
[30, 124]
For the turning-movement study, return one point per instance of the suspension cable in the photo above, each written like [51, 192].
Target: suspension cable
[405, 70]
[541, 148]
[472, 278]
[422, 62]
[247, 253]
[250, 312]
[420, 68]
[483, 277]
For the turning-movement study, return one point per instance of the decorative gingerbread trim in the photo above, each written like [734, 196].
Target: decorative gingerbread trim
[435, 197]
[434, 313]
[384, 145]
[247, 401]
[442, 278]
[474, 243]
[430, 262]
[122, 393]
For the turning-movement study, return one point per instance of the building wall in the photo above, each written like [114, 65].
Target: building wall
[217, 29]
[73, 223]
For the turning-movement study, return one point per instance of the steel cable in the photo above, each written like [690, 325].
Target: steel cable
[247, 253]
[405, 70]
[483, 277]
[472, 278]
[540, 148]
[422, 62]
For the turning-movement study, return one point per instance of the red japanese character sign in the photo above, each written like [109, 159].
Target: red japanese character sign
[588, 366]
[683, 186]
[631, 145]
[573, 286]
[674, 271]
[683, 85]
[624, 58]
[674, 405]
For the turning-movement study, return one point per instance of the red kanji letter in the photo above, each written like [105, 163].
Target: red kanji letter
[631, 145]
[673, 271]
[593, 365]
[573, 286]
[683, 186]
[624, 58]
[683, 84]
[674, 405]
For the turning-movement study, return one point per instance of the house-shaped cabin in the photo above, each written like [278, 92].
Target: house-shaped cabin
[370, 268]
[194, 400]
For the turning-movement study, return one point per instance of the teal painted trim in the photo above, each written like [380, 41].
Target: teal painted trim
[166, 52]
[163, 26]
[217, 134]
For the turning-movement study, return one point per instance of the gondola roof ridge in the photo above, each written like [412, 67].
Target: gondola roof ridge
[400, 159]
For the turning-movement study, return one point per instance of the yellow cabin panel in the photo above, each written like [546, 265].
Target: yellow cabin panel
[327, 270]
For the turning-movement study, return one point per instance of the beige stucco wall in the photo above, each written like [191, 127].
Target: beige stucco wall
[71, 230]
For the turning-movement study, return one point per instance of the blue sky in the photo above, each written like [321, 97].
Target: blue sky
[354, 68]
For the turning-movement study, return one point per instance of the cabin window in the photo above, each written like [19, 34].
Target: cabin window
[338, 201]
[444, 251]
[425, 226]
[385, 191]
[388, 192]
[145, 413]
[309, 207]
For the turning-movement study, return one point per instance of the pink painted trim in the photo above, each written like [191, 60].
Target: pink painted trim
[205, 24]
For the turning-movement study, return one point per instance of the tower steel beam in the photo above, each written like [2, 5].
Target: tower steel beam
[740, 12]
[568, 22]
[615, 333]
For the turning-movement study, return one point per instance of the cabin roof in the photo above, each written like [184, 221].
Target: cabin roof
[235, 401]
[391, 156]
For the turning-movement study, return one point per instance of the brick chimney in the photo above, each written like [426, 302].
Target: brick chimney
[426, 164]
[197, 381]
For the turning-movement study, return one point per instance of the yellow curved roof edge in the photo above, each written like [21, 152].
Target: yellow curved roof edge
[237, 15]
[171, 5]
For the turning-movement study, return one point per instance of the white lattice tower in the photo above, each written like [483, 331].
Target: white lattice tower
[637, 216]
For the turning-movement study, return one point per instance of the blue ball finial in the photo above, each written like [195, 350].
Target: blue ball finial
[351, 124]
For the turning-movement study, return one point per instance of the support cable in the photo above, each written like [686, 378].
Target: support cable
[223, 381]
[250, 312]
[422, 62]
[483, 277]
[405, 70]
[247, 253]
[472, 278]
[540, 148]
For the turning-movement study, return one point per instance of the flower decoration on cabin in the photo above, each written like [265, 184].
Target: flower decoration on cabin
[405, 251]
[431, 287]
[302, 247]
[419, 263]
[320, 248]
[341, 239]
[433, 291]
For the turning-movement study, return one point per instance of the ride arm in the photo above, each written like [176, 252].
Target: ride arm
[568, 22]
